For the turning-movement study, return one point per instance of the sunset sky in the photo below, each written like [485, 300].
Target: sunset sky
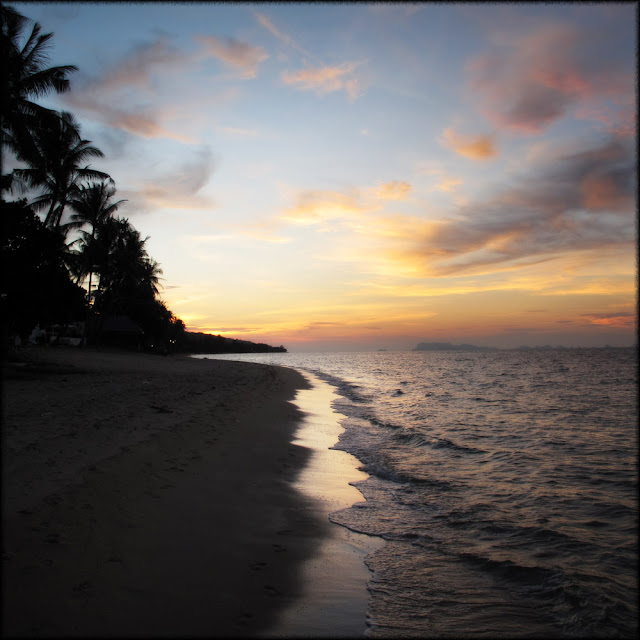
[365, 176]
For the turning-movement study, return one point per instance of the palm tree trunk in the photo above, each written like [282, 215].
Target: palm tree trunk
[88, 314]
[49, 216]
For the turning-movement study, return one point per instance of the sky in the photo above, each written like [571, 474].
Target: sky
[334, 177]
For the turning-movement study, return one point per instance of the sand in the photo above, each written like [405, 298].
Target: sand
[150, 495]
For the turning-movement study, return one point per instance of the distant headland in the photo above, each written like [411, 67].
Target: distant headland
[207, 343]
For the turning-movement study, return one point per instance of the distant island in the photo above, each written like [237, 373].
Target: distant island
[206, 343]
[447, 346]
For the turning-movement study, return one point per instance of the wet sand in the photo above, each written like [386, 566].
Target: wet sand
[150, 495]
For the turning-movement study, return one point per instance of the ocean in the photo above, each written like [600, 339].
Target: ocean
[504, 484]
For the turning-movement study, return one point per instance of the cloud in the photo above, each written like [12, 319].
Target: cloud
[394, 190]
[264, 231]
[479, 147]
[528, 81]
[620, 319]
[448, 184]
[325, 80]
[322, 207]
[126, 95]
[180, 188]
[352, 208]
[117, 95]
[320, 78]
[575, 202]
[141, 121]
[137, 66]
[283, 37]
[242, 56]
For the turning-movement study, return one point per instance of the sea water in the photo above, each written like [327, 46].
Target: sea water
[504, 484]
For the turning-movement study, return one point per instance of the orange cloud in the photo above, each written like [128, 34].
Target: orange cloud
[142, 122]
[448, 184]
[624, 319]
[394, 190]
[325, 80]
[474, 147]
[316, 207]
[240, 55]
[555, 210]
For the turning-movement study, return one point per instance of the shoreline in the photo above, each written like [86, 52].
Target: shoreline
[150, 495]
[334, 598]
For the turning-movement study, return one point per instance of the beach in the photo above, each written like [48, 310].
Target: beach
[151, 495]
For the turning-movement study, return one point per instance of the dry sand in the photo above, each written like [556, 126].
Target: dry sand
[150, 495]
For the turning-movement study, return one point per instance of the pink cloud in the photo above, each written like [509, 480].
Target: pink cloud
[529, 81]
[239, 55]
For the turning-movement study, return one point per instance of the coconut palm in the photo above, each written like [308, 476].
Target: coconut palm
[24, 76]
[127, 273]
[92, 205]
[56, 158]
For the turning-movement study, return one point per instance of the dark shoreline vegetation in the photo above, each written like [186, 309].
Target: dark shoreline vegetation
[72, 271]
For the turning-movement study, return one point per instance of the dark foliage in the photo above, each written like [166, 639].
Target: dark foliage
[35, 284]
[207, 343]
[40, 272]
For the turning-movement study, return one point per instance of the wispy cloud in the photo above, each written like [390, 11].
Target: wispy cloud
[394, 190]
[528, 81]
[177, 189]
[126, 94]
[322, 207]
[620, 319]
[242, 56]
[117, 96]
[448, 184]
[319, 77]
[480, 147]
[137, 66]
[444, 180]
[325, 80]
[283, 37]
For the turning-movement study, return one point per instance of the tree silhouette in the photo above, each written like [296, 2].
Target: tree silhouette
[92, 205]
[129, 279]
[24, 76]
[55, 165]
[35, 284]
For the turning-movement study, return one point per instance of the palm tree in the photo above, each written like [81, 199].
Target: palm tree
[56, 158]
[126, 270]
[93, 205]
[24, 76]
